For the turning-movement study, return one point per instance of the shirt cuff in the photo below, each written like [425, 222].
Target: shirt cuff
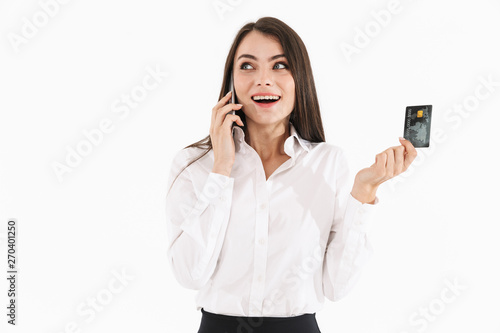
[217, 192]
[217, 188]
[359, 215]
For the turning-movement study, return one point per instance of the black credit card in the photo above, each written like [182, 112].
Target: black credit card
[418, 125]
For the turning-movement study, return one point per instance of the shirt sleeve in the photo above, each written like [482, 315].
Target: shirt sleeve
[348, 248]
[197, 210]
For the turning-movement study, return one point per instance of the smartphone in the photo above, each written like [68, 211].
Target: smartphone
[233, 98]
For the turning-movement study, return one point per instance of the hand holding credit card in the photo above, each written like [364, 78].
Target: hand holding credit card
[417, 128]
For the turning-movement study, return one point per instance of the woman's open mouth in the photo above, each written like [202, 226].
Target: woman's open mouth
[266, 101]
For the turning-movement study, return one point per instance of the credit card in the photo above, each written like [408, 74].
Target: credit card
[418, 125]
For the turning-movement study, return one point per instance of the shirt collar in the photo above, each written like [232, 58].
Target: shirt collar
[293, 144]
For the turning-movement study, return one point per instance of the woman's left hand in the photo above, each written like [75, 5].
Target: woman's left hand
[388, 164]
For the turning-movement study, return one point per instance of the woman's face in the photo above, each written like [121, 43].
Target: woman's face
[261, 69]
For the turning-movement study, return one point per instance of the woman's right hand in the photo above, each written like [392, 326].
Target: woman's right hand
[221, 135]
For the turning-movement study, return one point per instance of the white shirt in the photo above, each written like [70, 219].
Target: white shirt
[267, 248]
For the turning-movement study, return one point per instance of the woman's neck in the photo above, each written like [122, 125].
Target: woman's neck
[268, 141]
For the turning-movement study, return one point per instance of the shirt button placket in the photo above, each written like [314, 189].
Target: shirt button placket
[260, 247]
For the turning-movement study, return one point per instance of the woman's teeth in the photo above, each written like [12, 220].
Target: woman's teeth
[265, 99]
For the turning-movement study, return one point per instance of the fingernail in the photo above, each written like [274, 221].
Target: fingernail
[400, 138]
[228, 92]
[239, 104]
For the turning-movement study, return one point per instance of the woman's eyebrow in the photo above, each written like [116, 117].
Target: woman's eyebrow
[255, 58]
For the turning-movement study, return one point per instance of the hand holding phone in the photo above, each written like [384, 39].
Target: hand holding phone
[223, 119]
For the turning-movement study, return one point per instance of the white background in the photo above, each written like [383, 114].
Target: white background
[438, 222]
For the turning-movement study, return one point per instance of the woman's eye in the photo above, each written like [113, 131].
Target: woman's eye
[283, 66]
[244, 66]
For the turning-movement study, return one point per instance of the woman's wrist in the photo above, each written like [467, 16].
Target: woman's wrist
[365, 193]
[222, 169]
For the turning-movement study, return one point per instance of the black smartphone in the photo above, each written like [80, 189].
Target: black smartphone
[233, 98]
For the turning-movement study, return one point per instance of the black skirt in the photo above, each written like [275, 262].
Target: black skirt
[215, 323]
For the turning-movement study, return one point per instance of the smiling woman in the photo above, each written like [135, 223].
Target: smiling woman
[260, 217]
[271, 44]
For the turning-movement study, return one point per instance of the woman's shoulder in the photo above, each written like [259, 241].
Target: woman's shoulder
[183, 157]
[327, 149]
[188, 153]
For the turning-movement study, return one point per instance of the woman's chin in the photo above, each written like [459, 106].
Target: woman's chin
[265, 119]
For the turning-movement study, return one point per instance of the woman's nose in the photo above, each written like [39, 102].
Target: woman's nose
[265, 78]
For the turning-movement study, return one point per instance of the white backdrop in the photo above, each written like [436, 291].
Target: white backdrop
[98, 96]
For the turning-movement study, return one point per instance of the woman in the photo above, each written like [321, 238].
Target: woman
[260, 217]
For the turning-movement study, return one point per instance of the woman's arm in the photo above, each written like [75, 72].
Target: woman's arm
[197, 210]
[198, 205]
[348, 248]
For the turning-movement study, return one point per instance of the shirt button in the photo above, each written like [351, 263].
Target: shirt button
[263, 206]
[222, 198]
[259, 278]
[262, 241]
[213, 235]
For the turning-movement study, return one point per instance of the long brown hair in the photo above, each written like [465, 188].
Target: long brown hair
[305, 117]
